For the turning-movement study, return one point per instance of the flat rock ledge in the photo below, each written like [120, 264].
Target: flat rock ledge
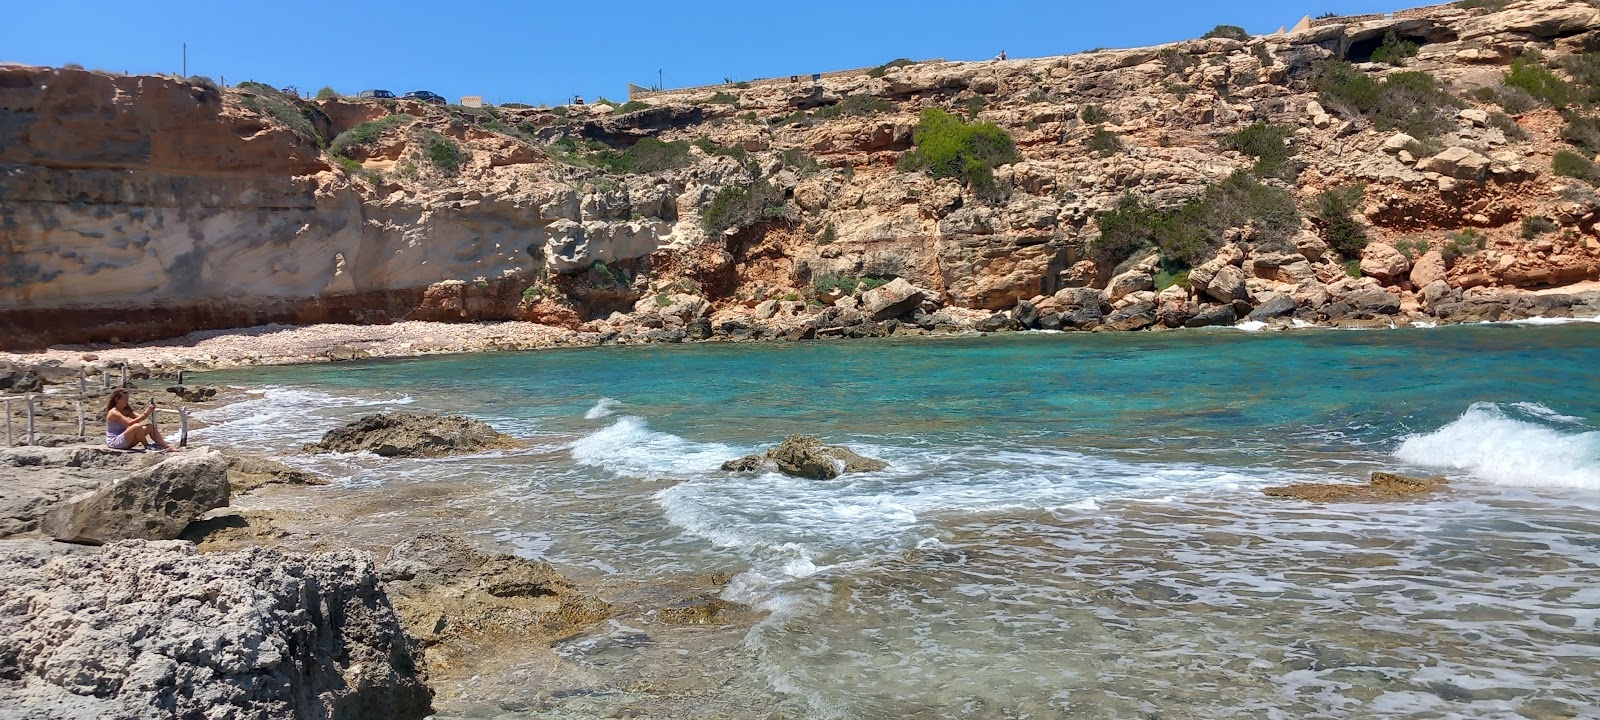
[806, 456]
[141, 629]
[413, 436]
[1383, 486]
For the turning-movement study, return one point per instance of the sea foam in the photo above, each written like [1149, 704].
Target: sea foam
[1524, 444]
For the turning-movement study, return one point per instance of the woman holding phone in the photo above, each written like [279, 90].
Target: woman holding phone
[125, 429]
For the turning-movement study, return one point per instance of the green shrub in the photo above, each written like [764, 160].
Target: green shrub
[1463, 243]
[649, 155]
[267, 100]
[1535, 225]
[1269, 145]
[1352, 268]
[1094, 115]
[802, 161]
[632, 106]
[366, 132]
[327, 93]
[1230, 32]
[202, 81]
[722, 98]
[948, 147]
[1582, 131]
[604, 273]
[975, 105]
[710, 147]
[853, 105]
[1335, 208]
[445, 153]
[1190, 234]
[1177, 61]
[1263, 55]
[516, 106]
[1529, 75]
[1104, 142]
[1511, 100]
[1573, 165]
[350, 166]
[827, 283]
[736, 206]
[883, 69]
[1508, 126]
[1585, 71]
[1411, 102]
[1166, 278]
[1394, 51]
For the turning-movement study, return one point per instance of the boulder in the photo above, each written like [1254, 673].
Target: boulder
[1457, 162]
[248, 473]
[407, 435]
[1428, 269]
[156, 503]
[1439, 292]
[1371, 301]
[1398, 142]
[1026, 314]
[997, 322]
[1080, 297]
[156, 630]
[193, 394]
[892, 300]
[346, 353]
[1137, 316]
[1083, 318]
[1274, 307]
[1213, 315]
[806, 456]
[1128, 283]
[1227, 285]
[1384, 262]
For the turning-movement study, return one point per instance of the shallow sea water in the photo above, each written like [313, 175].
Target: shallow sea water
[1071, 526]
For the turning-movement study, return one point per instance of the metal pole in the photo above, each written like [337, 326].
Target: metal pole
[183, 426]
[30, 420]
[186, 59]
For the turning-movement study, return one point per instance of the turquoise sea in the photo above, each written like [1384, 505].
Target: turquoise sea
[1072, 524]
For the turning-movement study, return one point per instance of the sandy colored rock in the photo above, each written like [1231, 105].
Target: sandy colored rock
[1383, 486]
[806, 456]
[406, 435]
[1384, 262]
[152, 504]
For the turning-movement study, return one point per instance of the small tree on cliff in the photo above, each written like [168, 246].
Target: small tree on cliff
[948, 147]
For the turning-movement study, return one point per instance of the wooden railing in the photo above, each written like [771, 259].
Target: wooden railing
[32, 402]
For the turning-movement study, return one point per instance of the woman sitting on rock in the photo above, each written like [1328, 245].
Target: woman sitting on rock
[125, 430]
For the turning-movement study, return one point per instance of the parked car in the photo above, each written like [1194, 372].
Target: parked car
[378, 94]
[425, 96]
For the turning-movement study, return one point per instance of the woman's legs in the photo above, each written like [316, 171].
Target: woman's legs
[155, 435]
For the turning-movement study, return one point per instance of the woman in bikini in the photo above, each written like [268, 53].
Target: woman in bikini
[125, 429]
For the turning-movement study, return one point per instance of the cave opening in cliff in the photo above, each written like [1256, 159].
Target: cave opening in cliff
[1362, 50]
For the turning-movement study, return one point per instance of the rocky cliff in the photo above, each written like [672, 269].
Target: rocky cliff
[1437, 164]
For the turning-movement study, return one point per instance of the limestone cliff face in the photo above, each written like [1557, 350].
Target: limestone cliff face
[136, 207]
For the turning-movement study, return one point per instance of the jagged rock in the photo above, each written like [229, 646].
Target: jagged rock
[193, 394]
[153, 629]
[248, 473]
[806, 456]
[1439, 292]
[1275, 307]
[1128, 283]
[407, 435]
[1428, 269]
[1382, 486]
[1133, 317]
[37, 478]
[1083, 318]
[1081, 297]
[896, 298]
[345, 353]
[1398, 142]
[152, 504]
[1026, 314]
[1384, 262]
[997, 322]
[1371, 301]
[1310, 246]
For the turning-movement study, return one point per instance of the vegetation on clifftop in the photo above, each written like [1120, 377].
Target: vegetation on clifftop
[739, 206]
[1414, 103]
[946, 146]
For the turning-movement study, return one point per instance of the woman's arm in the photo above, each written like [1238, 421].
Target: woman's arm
[115, 414]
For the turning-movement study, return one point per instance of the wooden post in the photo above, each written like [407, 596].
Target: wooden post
[30, 420]
[180, 377]
[83, 386]
[105, 379]
[9, 440]
[183, 426]
[80, 418]
[124, 375]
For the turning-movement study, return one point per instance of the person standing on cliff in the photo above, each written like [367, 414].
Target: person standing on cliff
[125, 428]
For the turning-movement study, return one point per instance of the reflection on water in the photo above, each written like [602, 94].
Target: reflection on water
[1070, 527]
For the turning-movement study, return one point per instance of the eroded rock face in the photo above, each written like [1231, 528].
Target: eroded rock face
[891, 301]
[35, 479]
[153, 504]
[806, 456]
[152, 629]
[248, 473]
[407, 435]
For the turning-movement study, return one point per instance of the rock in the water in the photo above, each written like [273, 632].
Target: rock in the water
[154, 630]
[1382, 486]
[152, 504]
[892, 300]
[248, 473]
[345, 353]
[407, 435]
[806, 456]
[1276, 307]
[1215, 315]
[193, 394]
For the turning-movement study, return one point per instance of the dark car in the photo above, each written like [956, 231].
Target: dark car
[379, 94]
[425, 96]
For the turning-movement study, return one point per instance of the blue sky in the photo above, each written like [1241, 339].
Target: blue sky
[543, 52]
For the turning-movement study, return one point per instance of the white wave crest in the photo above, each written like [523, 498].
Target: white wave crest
[629, 447]
[1511, 445]
[1251, 326]
[605, 408]
[283, 415]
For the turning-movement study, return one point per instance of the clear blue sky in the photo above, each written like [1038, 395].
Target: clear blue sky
[542, 52]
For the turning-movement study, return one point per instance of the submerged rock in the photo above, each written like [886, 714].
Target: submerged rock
[1382, 486]
[153, 629]
[407, 435]
[152, 504]
[246, 473]
[806, 456]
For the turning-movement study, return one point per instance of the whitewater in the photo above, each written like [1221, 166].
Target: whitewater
[1071, 525]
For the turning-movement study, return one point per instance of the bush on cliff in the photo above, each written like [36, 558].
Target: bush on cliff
[884, 69]
[445, 153]
[366, 132]
[1230, 32]
[741, 206]
[327, 93]
[1411, 102]
[1190, 233]
[267, 100]
[1582, 131]
[948, 147]
[649, 155]
[1394, 51]
[1335, 209]
[1269, 145]
[1529, 75]
[1572, 165]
